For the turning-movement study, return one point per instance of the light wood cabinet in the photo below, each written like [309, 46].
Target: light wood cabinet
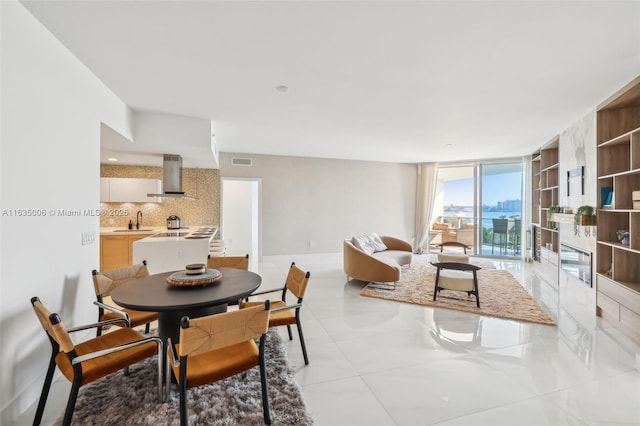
[129, 190]
[116, 251]
[618, 168]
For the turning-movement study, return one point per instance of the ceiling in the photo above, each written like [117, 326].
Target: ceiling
[413, 81]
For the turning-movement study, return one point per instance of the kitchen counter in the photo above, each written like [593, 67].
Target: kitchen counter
[172, 249]
[146, 230]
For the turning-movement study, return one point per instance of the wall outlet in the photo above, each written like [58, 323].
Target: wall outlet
[88, 237]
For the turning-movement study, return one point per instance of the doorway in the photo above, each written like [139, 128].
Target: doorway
[240, 217]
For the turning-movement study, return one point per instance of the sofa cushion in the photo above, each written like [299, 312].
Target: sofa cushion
[369, 244]
[395, 257]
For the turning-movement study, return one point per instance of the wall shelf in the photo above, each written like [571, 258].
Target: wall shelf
[618, 167]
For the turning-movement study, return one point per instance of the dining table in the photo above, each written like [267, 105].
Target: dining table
[154, 293]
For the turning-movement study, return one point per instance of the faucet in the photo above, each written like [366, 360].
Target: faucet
[138, 219]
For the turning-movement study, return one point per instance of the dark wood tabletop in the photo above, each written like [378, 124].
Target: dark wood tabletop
[153, 293]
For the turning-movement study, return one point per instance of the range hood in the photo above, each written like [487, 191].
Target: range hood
[172, 178]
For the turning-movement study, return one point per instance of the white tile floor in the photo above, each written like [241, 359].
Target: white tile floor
[376, 362]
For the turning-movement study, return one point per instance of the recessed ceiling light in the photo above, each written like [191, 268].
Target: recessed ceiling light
[449, 145]
[282, 88]
[112, 159]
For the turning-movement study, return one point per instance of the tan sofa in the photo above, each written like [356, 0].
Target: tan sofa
[382, 266]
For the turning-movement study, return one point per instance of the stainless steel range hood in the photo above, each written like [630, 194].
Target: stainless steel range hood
[172, 178]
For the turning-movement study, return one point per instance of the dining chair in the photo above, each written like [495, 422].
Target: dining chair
[93, 359]
[236, 262]
[104, 282]
[500, 230]
[283, 313]
[218, 346]
[515, 235]
[457, 276]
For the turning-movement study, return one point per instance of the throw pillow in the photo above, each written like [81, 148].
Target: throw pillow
[378, 244]
[364, 243]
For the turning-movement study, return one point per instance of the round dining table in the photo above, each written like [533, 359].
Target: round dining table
[153, 293]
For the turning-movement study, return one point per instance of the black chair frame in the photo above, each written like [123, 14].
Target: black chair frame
[76, 361]
[458, 267]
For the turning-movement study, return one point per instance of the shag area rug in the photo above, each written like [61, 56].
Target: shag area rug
[237, 400]
[501, 295]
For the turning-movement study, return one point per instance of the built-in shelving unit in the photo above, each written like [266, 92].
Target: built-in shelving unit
[545, 193]
[535, 205]
[618, 265]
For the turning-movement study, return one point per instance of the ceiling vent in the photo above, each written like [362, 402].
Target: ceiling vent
[242, 162]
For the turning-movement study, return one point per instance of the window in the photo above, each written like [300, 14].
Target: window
[480, 205]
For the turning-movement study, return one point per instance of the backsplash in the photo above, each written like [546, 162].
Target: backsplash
[205, 210]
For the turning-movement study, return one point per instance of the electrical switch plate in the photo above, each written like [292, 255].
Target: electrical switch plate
[88, 237]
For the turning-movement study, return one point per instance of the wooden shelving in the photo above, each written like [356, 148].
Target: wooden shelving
[618, 265]
[549, 195]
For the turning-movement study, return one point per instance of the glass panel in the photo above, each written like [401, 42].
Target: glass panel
[501, 213]
[454, 212]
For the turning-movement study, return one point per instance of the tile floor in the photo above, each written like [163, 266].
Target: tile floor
[377, 362]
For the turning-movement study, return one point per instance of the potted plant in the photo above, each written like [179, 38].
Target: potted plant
[584, 216]
[552, 209]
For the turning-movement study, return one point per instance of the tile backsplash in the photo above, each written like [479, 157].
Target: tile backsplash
[204, 184]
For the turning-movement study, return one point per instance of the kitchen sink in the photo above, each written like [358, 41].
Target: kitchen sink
[132, 230]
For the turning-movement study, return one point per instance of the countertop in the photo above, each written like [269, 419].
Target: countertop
[152, 230]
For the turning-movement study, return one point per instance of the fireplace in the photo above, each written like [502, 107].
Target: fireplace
[576, 262]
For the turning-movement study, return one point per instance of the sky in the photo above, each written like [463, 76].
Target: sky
[496, 187]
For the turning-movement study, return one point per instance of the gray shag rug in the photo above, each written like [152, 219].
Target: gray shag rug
[237, 400]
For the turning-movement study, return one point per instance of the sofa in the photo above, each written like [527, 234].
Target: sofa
[382, 264]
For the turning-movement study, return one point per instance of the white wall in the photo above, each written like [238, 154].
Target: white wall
[52, 107]
[325, 201]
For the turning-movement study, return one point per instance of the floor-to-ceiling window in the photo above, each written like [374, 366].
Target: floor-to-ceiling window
[480, 205]
[501, 209]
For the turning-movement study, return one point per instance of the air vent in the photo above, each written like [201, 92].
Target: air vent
[241, 161]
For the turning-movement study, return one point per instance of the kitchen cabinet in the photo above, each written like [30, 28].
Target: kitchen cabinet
[129, 190]
[116, 251]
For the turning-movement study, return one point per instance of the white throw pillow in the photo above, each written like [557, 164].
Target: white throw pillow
[369, 243]
[364, 243]
[377, 243]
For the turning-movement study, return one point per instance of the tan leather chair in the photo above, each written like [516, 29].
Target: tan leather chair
[94, 359]
[215, 347]
[104, 282]
[283, 313]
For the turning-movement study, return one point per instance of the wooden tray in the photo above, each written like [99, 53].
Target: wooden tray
[182, 279]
